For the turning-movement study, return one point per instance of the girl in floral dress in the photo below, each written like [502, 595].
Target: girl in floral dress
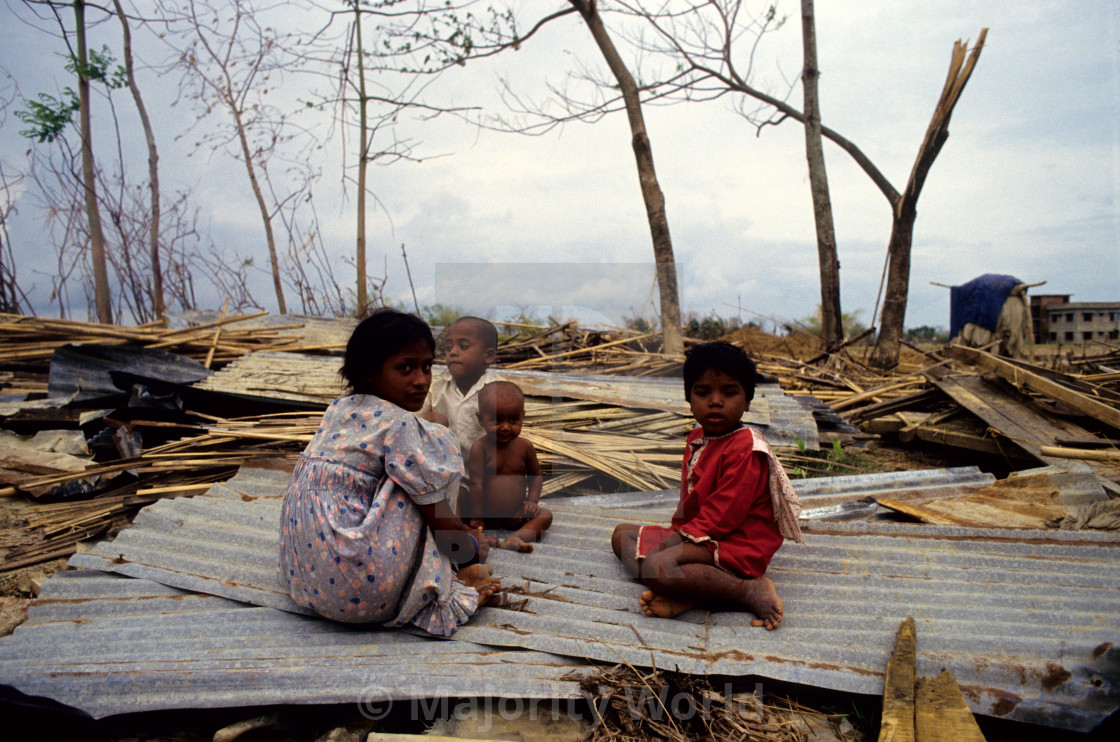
[366, 534]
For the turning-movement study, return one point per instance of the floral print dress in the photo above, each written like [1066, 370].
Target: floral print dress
[354, 546]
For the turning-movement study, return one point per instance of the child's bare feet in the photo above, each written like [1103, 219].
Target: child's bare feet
[761, 597]
[490, 593]
[659, 606]
[479, 577]
[513, 543]
[475, 574]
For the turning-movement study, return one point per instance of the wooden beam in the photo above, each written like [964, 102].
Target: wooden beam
[1022, 378]
[941, 713]
[898, 688]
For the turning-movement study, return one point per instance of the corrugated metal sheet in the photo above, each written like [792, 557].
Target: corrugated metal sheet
[1025, 499]
[319, 331]
[826, 497]
[110, 645]
[312, 378]
[85, 370]
[1027, 621]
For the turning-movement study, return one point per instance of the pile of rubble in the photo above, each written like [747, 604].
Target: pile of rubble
[206, 439]
[127, 416]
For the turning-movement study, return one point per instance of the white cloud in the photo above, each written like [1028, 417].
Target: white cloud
[1026, 184]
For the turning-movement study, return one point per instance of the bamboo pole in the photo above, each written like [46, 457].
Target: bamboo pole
[217, 334]
[537, 361]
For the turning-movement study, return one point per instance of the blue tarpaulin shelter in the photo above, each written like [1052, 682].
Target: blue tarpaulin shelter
[979, 301]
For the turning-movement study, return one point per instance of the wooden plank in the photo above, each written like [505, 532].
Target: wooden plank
[979, 510]
[910, 425]
[1023, 378]
[941, 713]
[946, 436]
[898, 687]
[1014, 415]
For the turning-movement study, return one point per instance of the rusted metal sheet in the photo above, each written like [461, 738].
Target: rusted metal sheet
[1026, 499]
[111, 645]
[1027, 626]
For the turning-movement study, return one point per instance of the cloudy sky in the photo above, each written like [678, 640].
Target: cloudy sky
[1027, 184]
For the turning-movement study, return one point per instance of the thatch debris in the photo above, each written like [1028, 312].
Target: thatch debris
[630, 705]
[959, 399]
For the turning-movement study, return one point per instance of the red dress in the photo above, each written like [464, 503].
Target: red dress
[725, 503]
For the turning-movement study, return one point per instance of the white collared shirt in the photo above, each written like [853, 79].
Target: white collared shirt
[460, 409]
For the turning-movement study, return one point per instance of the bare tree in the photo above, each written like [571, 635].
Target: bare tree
[157, 299]
[194, 265]
[381, 65]
[452, 35]
[365, 144]
[13, 299]
[672, 341]
[49, 116]
[832, 331]
[230, 58]
[96, 236]
[702, 39]
[630, 97]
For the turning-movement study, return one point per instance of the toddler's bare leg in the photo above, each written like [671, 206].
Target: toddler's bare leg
[522, 539]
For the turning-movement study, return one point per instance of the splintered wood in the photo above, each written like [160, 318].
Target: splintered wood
[922, 709]
[591, 436]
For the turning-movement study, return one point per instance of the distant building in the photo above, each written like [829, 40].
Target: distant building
[1040, 320]
[1080, 322]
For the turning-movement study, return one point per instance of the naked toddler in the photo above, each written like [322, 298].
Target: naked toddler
[505, 475]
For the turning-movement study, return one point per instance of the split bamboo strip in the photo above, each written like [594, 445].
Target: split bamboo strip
[1065, 452]
[538, 361]
[876, 393]
[269, 436]
[176, 488]
[584, 456]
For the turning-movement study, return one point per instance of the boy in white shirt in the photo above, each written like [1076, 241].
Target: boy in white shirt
[469, 348]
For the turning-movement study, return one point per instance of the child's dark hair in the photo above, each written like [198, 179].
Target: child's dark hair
[496, 388]
[725, 357]
[484, 328]
[383, 333]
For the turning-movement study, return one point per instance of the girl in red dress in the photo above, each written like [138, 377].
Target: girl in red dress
[737, 504]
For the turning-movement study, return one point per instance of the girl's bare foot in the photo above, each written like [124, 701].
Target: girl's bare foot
[513, 543]
[763, 601]
[479, 576]
[476, 574]
[490, 593]
[659, 606]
